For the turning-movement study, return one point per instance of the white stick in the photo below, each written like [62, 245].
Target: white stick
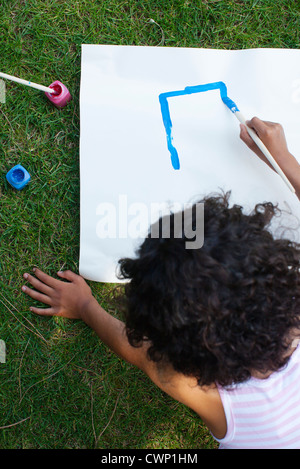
[27, 83]
[265, 151]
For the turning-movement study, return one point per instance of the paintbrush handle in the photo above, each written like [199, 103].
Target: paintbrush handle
[265, 151]
[27, 83]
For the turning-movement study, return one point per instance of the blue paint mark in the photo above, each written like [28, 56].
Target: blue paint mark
[165, 111]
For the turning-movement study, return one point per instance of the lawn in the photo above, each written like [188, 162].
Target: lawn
[61, 387]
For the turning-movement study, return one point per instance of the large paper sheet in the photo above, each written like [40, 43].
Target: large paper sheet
[126, 174]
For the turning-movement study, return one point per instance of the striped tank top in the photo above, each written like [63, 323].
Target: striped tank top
[264, 413]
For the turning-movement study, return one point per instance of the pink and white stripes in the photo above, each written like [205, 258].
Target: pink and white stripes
[264, 413]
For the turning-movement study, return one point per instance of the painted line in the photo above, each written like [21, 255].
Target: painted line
[165, 111]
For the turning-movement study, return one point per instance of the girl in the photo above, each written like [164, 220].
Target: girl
[217, 327]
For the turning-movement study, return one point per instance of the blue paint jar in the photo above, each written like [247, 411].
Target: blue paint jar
[18, 177]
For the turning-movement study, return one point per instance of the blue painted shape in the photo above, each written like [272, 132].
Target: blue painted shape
[18, 177]
[165, 111]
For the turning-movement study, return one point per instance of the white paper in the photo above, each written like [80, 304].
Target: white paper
[124, 160]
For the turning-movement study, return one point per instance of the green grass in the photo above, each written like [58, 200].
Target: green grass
[60, 387]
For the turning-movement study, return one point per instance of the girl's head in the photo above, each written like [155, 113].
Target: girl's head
[222, 311]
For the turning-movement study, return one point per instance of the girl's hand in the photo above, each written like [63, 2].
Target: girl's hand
[68, 299]
[272, 135]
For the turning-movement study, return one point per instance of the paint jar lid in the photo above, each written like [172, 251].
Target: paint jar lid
[18, 177]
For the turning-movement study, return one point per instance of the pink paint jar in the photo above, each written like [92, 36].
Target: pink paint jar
[61, 97]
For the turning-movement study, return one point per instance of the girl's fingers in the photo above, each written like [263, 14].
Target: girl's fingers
[37, 284]
[68, 275]
[45, 278]
[245, 137]
[37, 295]
[42, 311]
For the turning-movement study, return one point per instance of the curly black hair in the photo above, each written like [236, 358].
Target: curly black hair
[219, 312]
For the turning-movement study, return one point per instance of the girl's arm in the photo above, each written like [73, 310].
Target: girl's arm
[73, 299]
